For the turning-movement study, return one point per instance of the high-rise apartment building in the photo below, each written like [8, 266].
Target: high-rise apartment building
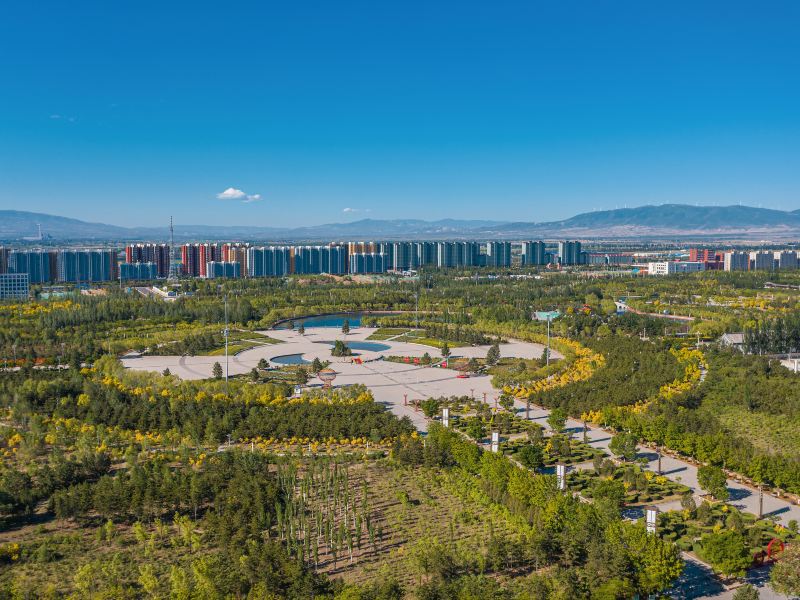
[269, 261]
[702, 255]
[367, 262]
[138, 271]
[404, 256]
[762, 261]
[569, 253]
[39, 265]
[3, 260]
[86, 266]
[220, 269]
[195, 257]
[468, 254]
[236, 253]
[159, 254]
[736, 261]
[785, 259]
[446, 255]
[498, 254]
[535, 253]
[427, 253]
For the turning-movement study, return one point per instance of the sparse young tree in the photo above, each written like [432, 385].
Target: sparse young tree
[216, 370]
[746, 592]
[557, 419]
[624, 445]
[346, 326]
[445, 350]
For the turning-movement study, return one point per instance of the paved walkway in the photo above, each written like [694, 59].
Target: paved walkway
[391, 383]
[395, 383]
[683, 471]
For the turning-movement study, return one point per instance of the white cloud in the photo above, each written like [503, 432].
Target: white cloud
[55, 116]
[356, 210]
[231, 194]
[236, 194]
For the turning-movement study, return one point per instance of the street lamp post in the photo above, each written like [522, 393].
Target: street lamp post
[547, 358]
[225, 333]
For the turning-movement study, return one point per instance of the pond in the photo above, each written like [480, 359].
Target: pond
[334, 320]
[289, 359]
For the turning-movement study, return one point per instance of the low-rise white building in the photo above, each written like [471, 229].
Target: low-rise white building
[674, 266]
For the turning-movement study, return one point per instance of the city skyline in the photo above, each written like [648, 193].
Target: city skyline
[288, 116]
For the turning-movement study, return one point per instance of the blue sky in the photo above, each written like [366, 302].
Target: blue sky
[314, 112]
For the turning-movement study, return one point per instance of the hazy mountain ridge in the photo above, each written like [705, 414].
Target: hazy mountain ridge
[652, 221]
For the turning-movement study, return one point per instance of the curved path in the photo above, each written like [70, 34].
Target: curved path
[395, 383]
[391, 383]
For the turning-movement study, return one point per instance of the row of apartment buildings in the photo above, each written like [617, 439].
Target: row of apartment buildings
[63, 266]
[143, 262]
[704, 260]
[208, 260]
[761, 260]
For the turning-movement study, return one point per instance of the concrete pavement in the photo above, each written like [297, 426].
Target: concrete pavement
[393, 383]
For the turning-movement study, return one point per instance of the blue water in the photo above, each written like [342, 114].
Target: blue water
[336, 320]
[369, 346]
[290, 359]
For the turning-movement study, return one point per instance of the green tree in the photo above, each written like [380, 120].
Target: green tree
[216, 370]
[785, 576]
[507, 402]
[727, 552]
[609, 490]
[346, 326]
[445, 350]
[657, 563]
[712, 479]
[557, 419]
[493, 354]
[531, 456]
[301, 329]
[476, 429]
[316, 365]
[472, 365]
[263, 364]
[301, 376]
[624, 445]
[430, 407]
[426, 359]
[340, 349]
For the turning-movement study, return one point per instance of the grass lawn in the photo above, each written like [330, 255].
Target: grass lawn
[384, 333]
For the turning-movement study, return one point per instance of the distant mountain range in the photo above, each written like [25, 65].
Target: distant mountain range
[666, 221]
